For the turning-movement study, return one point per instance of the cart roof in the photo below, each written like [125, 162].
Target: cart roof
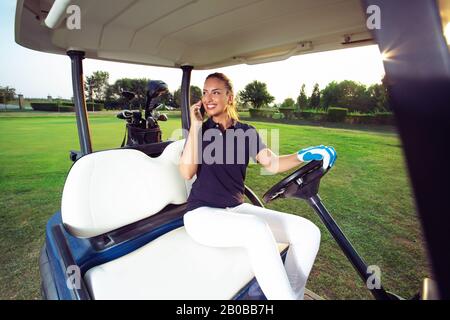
[203, 33]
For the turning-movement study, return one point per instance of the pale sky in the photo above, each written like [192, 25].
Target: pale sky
[36, 74]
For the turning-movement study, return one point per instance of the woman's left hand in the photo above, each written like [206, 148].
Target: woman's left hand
[325, 153]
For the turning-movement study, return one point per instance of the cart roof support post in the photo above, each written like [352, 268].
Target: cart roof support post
[84, 133]
[185, 98]
[417, 68]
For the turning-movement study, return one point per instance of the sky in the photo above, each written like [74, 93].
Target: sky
[37, 75]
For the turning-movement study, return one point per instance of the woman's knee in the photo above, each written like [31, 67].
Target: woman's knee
[305, 228]
[259, 231]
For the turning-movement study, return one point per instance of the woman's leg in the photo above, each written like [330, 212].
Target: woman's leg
[221, 228]
[302, 235]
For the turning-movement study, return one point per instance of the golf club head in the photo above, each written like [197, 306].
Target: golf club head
[155, 114]
[156, 88]
[162, 117]
[125, 115]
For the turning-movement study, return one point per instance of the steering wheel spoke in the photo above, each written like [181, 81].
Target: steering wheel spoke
[302, 183]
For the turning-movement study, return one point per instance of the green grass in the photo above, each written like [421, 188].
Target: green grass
[367, 192]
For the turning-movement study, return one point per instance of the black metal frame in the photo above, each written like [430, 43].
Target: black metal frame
[185, 99]
[304, 183]
[84, 132]
[418, 74]
[346, 246]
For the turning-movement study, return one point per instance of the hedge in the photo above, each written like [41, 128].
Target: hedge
[337, 114]
[262, 113]
[277, 116]
[95, 106]
[384, 118]
[51, 106]
[333, 114]
[288, 113]
[63, 106]
[311, 115]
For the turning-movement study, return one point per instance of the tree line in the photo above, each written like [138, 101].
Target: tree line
[347, 94]
[344, 94]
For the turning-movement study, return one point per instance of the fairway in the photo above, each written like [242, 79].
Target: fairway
[367, 192]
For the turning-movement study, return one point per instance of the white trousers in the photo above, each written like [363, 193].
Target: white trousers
[258, 230]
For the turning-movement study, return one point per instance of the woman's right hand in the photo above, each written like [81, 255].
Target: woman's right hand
[196, 116]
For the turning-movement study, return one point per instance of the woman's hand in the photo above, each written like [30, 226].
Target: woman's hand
[325, 153]
[196, 116]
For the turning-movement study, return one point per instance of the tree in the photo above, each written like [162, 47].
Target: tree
[314, 100]
[137, 86]
[302, 99]
[96, 85]
[379, 97]
[7, 94]
[346, 94]
[89, 87]
[241, 105]
[288, 103]
[195, 95]
[256, 94]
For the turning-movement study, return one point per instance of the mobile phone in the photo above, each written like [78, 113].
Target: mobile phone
[202, 110]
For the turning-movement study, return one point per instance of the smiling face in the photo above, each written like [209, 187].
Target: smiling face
[215, 97]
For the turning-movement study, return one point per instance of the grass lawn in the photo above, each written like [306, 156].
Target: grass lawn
[367, 192]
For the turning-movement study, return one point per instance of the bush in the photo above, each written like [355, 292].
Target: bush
[288, 113]
[337, 114]
[262, 113]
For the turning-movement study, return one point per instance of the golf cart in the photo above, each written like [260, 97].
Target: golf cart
[120, 235]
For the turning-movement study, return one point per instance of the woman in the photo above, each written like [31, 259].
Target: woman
[216, 213]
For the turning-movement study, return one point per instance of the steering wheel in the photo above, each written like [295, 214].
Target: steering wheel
[302, 183]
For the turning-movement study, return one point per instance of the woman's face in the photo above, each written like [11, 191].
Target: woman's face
[215, 97]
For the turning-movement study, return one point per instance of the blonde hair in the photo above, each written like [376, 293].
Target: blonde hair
[231, 108]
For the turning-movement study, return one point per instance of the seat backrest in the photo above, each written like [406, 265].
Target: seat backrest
[109, 189]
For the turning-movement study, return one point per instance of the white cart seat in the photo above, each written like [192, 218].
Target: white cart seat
[173, 267]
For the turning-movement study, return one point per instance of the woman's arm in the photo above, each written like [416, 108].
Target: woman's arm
[276, 164]
[189, 158]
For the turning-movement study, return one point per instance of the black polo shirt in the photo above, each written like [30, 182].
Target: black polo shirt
[224, 158]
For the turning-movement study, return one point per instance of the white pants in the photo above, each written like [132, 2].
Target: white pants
[258, 230]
